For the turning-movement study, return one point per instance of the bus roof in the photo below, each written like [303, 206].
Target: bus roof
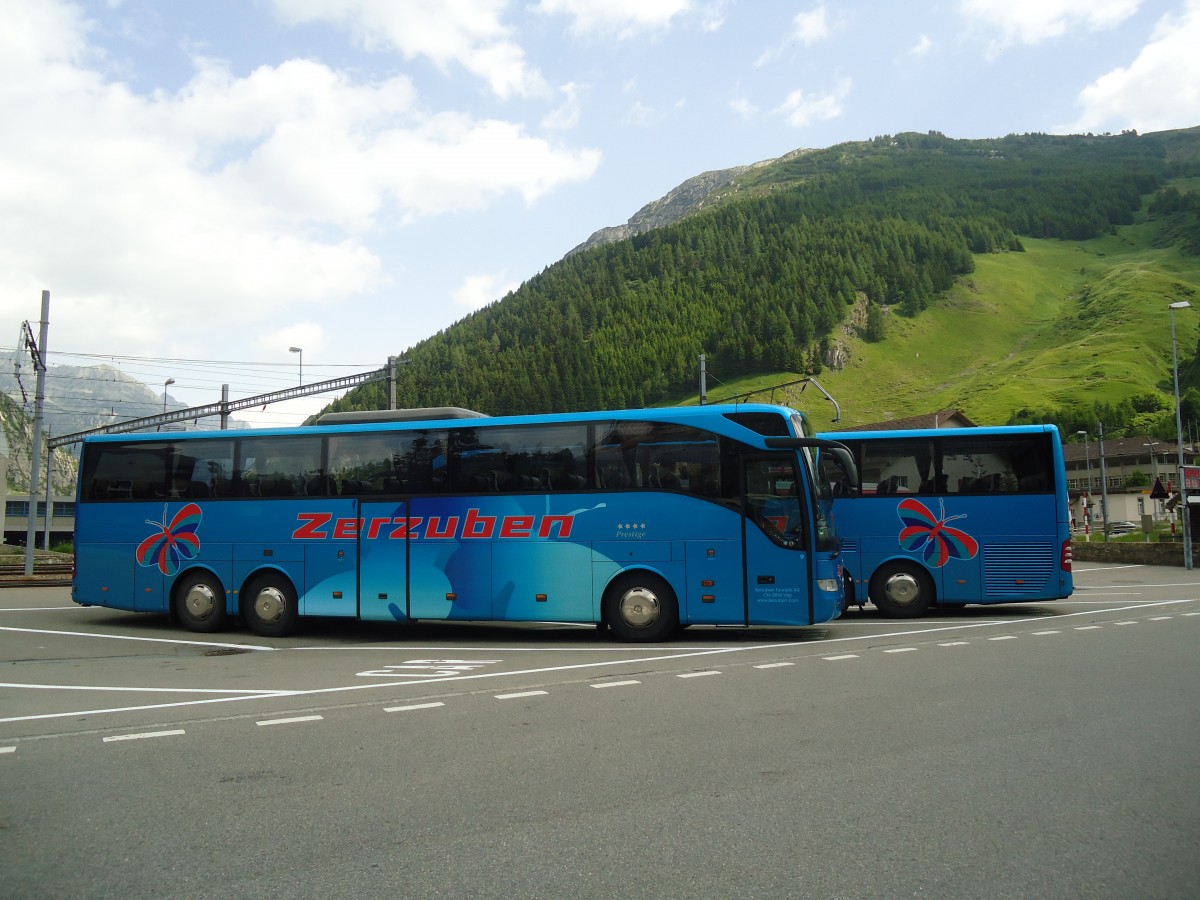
[973, 431]
[711, 413]
[426, 414]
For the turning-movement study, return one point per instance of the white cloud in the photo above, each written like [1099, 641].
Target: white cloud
[469, 33]
[1034, 21]
[743, 107]
[566, 115]
[622, 18]
[640, 115]
[712, 15]
[923, 45]
[477, 291]
[800, 110]
[808, 28]
[812, 26]
[231, 202]
[1160, 89]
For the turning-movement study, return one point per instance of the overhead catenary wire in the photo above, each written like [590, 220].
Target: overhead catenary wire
[244, 377]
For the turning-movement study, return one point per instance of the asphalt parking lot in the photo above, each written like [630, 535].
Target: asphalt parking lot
[69, 668]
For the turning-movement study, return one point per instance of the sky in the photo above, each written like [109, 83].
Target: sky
[203, 186]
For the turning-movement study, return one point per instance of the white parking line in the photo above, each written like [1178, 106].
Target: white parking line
[521, 694]
[292, 720]
[267, 692]
[697, 674]
[843, 656]
[143, 735]
[1088, 627]
[8, 749]
[608, 684]
[778, 665]
[1003, 637]
[1160, 618]
[659, 654]
[901, 650]
[1040, 633]
[955, 644]
[413, 706]
[149, 640]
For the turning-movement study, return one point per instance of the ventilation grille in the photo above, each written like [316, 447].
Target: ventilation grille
[1018, 570]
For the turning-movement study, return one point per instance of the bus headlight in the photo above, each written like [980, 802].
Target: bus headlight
[829, 585]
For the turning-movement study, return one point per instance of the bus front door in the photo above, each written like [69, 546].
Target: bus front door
[777, 565]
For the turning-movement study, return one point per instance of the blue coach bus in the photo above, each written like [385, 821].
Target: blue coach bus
[642, 521]
[951, 516]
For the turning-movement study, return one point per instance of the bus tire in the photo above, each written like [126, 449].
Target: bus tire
[640, 607]
[198, 602]
[269, 606]
[901, 590]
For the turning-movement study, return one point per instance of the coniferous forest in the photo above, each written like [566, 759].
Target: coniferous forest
[763, 276]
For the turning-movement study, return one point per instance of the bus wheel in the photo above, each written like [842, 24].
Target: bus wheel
[198, 601]
[269, 606]
[901, 591]
[641, 607]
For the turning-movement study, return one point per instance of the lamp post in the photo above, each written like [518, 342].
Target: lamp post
[301, 352]
[1187, 513]
[166, 384]
[1087, 507]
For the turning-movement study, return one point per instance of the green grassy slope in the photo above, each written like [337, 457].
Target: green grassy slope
[1064, 322]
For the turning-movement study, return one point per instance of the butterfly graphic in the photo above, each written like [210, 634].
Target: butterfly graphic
[929, 534]
[174, 543]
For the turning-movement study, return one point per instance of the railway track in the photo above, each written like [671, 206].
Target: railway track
[44, 574]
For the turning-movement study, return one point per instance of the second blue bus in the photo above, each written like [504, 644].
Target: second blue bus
[953, 516]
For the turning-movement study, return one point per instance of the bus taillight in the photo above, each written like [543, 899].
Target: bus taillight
[1066, 555]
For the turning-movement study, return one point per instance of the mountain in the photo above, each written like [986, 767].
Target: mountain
[16, 443]
[79, 398]
[1010, 277]
[689, 197]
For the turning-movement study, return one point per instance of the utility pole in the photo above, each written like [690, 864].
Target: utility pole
[703, 381]
[1103, 484]
[38, 353]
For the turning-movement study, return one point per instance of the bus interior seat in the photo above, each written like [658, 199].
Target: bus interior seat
[611, 477]
[120, 489]
[567, 482]
[198, 489]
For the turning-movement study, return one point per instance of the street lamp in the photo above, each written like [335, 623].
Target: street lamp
[301, 352]
[166, 384]
[1087, 508]
[1187, 513]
